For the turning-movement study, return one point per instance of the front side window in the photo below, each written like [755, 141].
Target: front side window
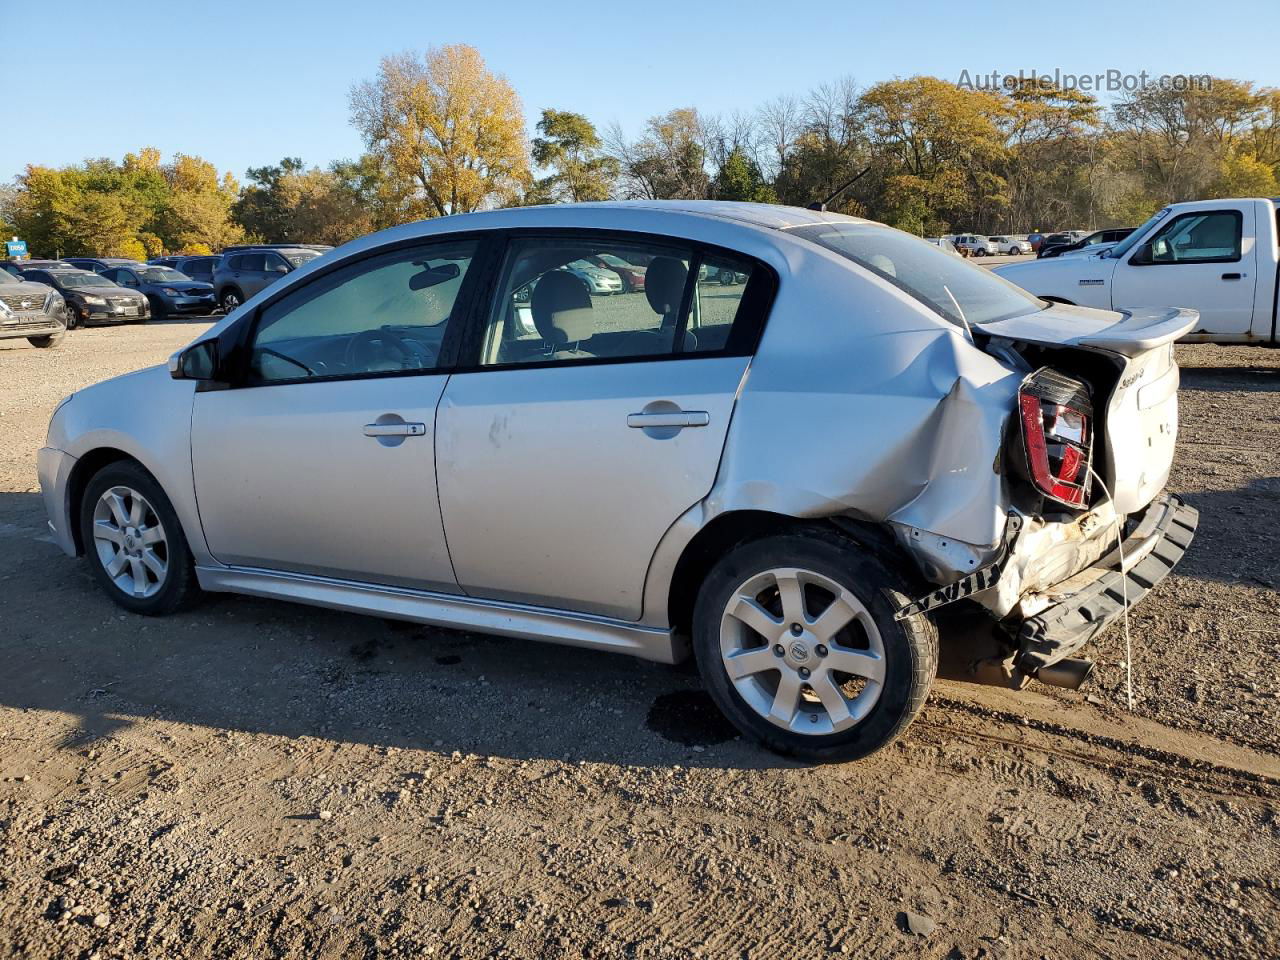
[955, 289]
[387, 314]
[252, 262]
[591, 298]
[1211, 237]
[274, 263]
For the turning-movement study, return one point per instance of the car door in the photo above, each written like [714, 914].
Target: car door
[588, 424]
[320, 458]
[1202, 259]
[274, 267]
[250, 274]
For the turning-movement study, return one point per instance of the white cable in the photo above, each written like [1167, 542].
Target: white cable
[1124, 591]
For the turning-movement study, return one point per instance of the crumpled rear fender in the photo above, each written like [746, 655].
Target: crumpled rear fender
[904, 429]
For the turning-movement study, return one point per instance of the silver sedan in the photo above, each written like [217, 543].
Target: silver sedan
[787, 477]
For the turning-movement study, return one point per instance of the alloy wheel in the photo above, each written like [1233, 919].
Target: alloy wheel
[130, 541]
[802, 651]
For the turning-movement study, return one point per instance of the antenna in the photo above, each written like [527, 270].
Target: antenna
[839, 190]
[956, 303]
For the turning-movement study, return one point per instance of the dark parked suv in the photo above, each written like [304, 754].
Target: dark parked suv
[242, 274]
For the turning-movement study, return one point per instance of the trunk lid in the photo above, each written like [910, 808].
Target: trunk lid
[1138, 391]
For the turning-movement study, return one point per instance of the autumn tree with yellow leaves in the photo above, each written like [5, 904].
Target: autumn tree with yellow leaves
[448, 126]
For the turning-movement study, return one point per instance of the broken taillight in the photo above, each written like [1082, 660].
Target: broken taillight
[1056, 416]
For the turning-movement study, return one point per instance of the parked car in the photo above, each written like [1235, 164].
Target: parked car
[15, 268]
[600, 282]
[32, 310]
[1086, 243]
[942, 243]
[167, 291]
[1011, 245]
[976, 244]
[1056, 241]
[91, 297]
[632, 276]
[1217, 257]
[246, 272]
[197, 267]
[101, 264]
[613, 480]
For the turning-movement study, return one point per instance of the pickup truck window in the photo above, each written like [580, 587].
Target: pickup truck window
[1211, 236]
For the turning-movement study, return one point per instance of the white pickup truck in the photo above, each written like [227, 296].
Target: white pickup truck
[1219, 257]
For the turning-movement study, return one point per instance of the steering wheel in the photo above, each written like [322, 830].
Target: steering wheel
[369, 348]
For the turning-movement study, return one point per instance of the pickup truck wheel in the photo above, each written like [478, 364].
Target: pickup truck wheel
[52, 340]
[796, 642]
[134, 542]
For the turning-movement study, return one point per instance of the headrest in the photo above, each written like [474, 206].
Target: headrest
[561, 307]
[664, 284]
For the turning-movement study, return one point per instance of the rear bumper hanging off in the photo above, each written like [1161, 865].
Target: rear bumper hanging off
[1098, 593]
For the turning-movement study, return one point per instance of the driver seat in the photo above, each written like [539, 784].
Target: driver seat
[561, 308]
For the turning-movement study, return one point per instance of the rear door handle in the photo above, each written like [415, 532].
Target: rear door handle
[678, 418]
[395, 429]
[1231, 276]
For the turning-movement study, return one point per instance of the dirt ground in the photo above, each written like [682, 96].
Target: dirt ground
[255, 779]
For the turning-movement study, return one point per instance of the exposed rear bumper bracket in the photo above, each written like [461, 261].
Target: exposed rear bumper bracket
[1150, 554]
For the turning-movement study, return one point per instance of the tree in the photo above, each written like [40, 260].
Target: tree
[570, 149]
[262, 210]
[739, 178]
[668, 162]
[447, 125]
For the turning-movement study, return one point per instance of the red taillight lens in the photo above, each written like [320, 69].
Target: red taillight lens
[1054, 412]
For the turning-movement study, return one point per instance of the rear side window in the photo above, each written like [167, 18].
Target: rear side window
[955, 289]
[579, 299]
[234, 263]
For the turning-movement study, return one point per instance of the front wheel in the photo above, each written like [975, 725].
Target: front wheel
[52, 340]
[230, 300]
[796, 642]
[134, 541]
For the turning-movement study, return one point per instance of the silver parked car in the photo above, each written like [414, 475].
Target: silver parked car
[32, 310]
[787, 477]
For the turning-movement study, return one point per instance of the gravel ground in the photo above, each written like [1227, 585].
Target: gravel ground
[257, 779]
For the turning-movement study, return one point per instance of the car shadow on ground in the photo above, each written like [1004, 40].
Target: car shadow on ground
[268, 667]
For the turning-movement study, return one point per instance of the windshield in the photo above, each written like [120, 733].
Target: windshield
[81, 280]
[299, 257]
[957, 290]
[161, 275]
[1125, 245]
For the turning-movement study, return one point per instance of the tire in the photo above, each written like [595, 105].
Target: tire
[891, 663]
[109, 530]
[980, 252]
[158, 311]
[230, 299]
[51, 340]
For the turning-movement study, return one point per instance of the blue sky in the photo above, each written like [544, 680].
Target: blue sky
[245, 84]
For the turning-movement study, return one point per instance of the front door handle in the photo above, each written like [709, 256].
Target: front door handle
[676, 418]
[395, 429]
[1231, 276]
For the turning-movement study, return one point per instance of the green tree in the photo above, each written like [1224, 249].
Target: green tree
[739, 178]
[570, 149]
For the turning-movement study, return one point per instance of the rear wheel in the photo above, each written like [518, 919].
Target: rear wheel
[52, 340]
[134, 541]
[796, 642]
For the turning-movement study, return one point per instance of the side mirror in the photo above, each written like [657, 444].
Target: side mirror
[1142, 256]
[197, 362]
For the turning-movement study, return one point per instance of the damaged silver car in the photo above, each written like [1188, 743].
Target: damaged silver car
[790, 475]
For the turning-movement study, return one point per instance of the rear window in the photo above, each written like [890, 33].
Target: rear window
[957, 290]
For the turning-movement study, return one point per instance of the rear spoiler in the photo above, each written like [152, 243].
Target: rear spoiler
[1061, 325]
